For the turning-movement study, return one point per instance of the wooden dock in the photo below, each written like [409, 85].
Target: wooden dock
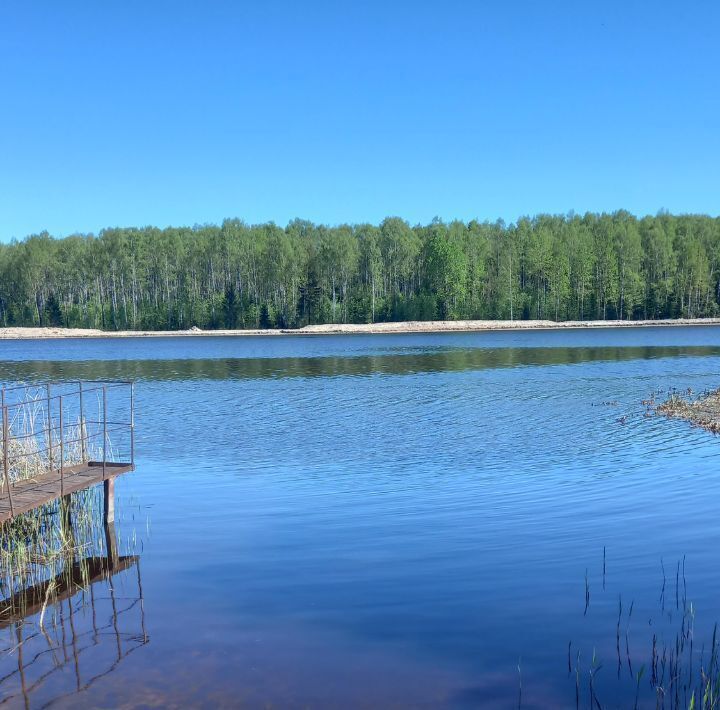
[50, 434]
[32, 493]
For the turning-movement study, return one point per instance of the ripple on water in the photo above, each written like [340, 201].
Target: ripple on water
[432, 502]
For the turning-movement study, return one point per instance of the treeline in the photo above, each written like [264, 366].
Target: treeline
[240, 276]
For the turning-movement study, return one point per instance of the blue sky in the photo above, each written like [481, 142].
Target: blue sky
[136, 113]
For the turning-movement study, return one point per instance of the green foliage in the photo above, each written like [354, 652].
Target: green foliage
[446, 268]
[242, 276]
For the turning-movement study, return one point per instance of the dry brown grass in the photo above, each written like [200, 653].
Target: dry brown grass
[703, 411]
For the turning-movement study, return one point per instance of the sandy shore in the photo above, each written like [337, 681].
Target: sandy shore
[466, 326]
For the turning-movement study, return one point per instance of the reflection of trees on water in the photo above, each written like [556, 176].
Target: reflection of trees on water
[72, 604]
[395, 363]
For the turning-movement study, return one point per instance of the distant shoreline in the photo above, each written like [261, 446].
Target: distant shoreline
[460, 326]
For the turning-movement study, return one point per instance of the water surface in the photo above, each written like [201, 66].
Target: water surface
[400, 520]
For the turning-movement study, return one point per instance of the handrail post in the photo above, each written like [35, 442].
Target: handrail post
[62, 451]
[49, 424]
[132, 423]
[104, 445]
[6, 458]
[82, 424]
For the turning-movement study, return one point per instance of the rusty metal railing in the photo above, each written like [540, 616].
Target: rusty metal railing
[56, 431]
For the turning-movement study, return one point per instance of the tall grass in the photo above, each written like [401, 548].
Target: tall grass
[35, 445]
[44, 544]
[70, 609]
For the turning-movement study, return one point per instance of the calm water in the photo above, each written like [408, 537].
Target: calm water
[396, 520]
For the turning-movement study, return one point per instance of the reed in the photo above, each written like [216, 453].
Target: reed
[63, 592]
[48, 545]
[670, 671]
[41, 438]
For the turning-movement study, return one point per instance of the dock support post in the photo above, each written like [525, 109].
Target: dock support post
[111, 544]
[66, 521]
[109, 500]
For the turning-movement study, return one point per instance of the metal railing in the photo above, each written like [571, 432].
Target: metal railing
[51, 427]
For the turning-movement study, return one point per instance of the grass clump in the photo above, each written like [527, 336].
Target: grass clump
[703, 411]
[39, 548]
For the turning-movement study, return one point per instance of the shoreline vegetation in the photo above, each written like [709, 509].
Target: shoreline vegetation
[239, 276]
[409, 327]
[703, 412]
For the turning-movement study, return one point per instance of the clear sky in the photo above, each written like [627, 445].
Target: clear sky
[152, 112]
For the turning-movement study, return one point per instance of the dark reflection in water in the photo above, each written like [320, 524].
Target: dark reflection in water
[72, 605]
[453, 360]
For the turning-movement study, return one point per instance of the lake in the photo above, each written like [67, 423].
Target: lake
[394, 520]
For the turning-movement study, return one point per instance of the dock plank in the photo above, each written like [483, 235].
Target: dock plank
[32, 493]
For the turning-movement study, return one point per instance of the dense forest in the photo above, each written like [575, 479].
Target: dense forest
[596, 266]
